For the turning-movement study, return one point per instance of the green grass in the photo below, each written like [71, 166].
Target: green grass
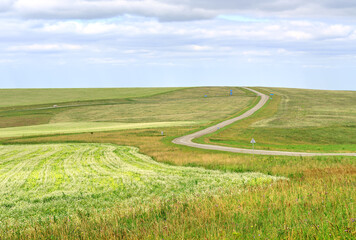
[80, 127]
[318, 202]
[297, 120]
[181, 105]
[184, 105]
[59, 180]
[25, 97]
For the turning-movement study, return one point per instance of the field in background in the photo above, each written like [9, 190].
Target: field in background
[81, 127]
[297, 120]
[181, 105]
[26, 97]
[317, 202]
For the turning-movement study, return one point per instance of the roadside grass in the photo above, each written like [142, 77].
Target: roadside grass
[296, 120]
[318, 202]
[25, 97]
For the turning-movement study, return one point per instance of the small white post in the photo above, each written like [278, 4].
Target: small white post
[253, 146]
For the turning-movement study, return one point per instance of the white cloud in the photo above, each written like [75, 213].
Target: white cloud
[168, 10]
[6, 61]
[111, 61]
[80, 28]
[316, 66]
[44, 48]
[82, 9]
[257, 53]
[199, 48]
[5, 5]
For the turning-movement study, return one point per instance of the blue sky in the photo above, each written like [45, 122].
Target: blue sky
[159, 43]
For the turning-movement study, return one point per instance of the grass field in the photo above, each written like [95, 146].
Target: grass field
[297, 120]
[316, 202]
[25, 97]
[81, 127]
[180, 105]
[39, 182]
[184, 105]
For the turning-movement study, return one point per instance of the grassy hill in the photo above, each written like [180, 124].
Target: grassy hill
[180, 105]
[297, 120]
[26, 97]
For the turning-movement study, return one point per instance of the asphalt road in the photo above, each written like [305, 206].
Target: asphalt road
[187, 140]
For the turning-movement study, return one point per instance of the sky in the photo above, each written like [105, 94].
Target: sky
[167, 43]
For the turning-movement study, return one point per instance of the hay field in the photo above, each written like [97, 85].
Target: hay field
[59, 180]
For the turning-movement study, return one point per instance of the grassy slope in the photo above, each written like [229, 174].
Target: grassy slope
[297, 120]
[182, 105]
[22, 97]
[188, 104]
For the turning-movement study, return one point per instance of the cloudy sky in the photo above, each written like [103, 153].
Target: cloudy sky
[133, 43]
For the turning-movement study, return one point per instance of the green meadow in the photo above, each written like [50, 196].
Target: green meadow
[65, 180]
[297, 120]
[58, 180]
[27, 97]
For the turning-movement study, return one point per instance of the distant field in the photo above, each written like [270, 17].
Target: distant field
[185, 104]
[82, 127]
[311, 108]
[25, 97]
[298, 120]
[53, 181]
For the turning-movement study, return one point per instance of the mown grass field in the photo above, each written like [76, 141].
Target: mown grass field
[316, 202]
[40, 182]
[297, 120]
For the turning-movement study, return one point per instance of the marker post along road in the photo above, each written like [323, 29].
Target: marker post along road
[253, 146]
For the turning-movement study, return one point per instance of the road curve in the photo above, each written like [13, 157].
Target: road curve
[187, 140]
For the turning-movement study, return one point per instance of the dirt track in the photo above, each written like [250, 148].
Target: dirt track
[187, 140]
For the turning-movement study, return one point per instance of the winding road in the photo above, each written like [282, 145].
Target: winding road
[188, 139]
